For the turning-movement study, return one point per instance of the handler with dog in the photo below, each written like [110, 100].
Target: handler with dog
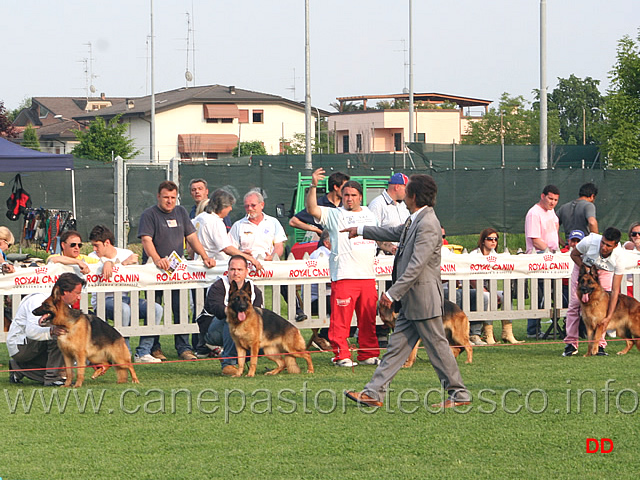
[417, 290]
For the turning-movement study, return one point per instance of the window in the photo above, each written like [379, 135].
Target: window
[226, 120]
[43, 112]
[258, 116]
[358, 142]
[397, 142]
[345, 144]
[243, 116]
[284, 146]
[420, 137]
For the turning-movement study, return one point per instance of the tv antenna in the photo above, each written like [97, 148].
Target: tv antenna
[88, 71]
[190, 75]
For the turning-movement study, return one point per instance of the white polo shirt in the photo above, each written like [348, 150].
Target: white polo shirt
[387, 211]
[259, 239]
[213, 236]
[350, 258]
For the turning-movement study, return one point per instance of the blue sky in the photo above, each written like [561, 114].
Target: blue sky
[461, 47]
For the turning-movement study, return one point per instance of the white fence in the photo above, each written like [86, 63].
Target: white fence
[509, 275]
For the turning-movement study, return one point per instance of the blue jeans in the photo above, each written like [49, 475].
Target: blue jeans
[144, 347]
[181, 340]
[218, 334]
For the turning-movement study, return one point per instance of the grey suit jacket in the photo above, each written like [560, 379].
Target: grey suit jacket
[418, 285]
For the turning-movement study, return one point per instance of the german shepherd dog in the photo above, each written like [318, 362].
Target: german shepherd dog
[594, 302]
[87, 337]
[255, 328]
[456, 328]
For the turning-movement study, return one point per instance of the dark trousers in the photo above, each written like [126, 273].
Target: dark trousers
[181, 341]
[39, 354]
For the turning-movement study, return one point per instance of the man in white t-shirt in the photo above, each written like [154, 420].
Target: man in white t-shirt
[109, 256]
[353, 285]
[605, 253]
[541, 233]
[259, 234]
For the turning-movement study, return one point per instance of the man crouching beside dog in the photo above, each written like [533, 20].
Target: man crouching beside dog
[31, 346]
[212, 320]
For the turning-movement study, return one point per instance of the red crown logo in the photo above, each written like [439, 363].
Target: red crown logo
[115, 269]
[376, 261]
[547, 257]
[182, 266]
[41, 270]
[311, 263]
[491, 258]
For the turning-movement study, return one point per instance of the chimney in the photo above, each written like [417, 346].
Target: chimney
[103, 96]
[130, 103]
[232, 90]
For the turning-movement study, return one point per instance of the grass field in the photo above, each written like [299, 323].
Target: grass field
[184, 420]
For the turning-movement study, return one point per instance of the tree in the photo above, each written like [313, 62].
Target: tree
[297, 145]
[255, 147]
[620, 133]
[104, 141]
[578, 103]
[30, 138]
[519, 125]
[7, 130]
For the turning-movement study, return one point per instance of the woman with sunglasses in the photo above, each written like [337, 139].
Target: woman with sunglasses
[488, 243]
[634, 245]
[6, 240]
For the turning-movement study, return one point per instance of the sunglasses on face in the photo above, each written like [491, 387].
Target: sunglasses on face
[74, 245]
[8, 244]
[492, 239]
[635, 234]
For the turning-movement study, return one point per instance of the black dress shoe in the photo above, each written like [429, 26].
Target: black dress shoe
[301, 316]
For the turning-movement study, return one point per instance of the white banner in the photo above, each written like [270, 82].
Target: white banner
[195, 274]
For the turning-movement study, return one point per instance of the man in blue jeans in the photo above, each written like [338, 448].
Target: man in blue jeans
[213, 319]
[102, 240]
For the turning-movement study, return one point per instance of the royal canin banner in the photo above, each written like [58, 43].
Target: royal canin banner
[196, 275]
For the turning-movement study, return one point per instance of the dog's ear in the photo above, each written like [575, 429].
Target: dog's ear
[594, 272]
[233, 287]
[56, 294]
[247, 288]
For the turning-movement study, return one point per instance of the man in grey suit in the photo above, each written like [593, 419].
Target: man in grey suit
[418, 290]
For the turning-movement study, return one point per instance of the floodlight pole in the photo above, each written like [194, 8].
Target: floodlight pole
[411, 129]
[308, 163]
[543, 85]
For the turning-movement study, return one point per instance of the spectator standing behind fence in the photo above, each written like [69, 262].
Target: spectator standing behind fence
[259, 234]
[34, 348]
[353, 284]
[541, 233]
[487, 245]
[163, 229]
[634, 245]
[580, 214]
[604, 253]
[332, 199]
[320, 338]
[6, 240]
[102, 240]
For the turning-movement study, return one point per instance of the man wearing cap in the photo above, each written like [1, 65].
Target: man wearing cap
[580, 214]
[389, 208]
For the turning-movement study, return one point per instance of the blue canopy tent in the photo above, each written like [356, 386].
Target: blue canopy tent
[15, 158]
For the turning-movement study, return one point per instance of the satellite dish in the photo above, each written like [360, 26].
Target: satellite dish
[405, 90]
[188, 76]
[93, 89]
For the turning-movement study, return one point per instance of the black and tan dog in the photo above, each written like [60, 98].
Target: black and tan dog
[255, 328]
[87, 337]
[594, 302]
[456, 328]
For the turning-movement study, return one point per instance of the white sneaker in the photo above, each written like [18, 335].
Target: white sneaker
[345, 362]
[148, 358]
[371, 361]
[611, 333]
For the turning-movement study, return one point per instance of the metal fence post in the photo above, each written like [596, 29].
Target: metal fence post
[120, 201]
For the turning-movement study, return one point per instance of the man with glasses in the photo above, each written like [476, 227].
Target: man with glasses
[70, 244]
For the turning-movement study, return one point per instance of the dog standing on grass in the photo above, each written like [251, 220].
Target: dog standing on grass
[255, 328]
[86, 337]
[594, 304]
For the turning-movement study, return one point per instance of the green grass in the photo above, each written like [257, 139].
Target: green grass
[138, 433]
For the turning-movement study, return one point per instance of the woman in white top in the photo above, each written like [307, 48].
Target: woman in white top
[212, 232]
[488, 243]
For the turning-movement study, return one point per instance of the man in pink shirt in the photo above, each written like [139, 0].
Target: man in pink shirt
[541, 231]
